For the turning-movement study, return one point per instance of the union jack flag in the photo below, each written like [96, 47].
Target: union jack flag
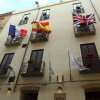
[84, 19]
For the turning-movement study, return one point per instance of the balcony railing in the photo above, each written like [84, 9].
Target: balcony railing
[39, 37]
[84, 30]
[13, 41]
[33, 69]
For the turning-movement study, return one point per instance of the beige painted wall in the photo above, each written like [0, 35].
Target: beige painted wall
[60, 41]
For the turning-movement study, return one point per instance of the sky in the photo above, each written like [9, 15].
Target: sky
[18, 5]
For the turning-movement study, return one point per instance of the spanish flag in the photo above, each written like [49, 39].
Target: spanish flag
[41, 27]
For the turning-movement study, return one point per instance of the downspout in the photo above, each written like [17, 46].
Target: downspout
[15, 85]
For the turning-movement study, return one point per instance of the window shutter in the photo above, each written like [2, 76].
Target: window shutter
[89, 54]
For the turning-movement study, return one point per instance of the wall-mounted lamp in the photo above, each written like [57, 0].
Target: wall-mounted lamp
[60, 90]
[9, 90]
[60, 94]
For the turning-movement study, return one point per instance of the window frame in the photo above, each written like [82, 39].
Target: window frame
[47, 15]
[36, 56]
[75, 8]
[23, 18]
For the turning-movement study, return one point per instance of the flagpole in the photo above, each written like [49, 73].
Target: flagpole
[69, 66]
[94, 9]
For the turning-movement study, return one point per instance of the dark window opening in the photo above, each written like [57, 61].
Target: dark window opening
[7, 59]
[45, 14]
[29, 95]
[35, 60]
[89, 53]
[24, 19]
[35, 66]
[92, 95]
[78, 8]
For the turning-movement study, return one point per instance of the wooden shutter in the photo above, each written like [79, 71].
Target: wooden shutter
[89, 54]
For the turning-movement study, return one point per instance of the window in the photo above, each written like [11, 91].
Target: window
[90, 57]
[93, 94]
[45, 14]
[35, 60]
[29, 94]
[7, 59]
[35, 66]
[24, 19]
[78, 8]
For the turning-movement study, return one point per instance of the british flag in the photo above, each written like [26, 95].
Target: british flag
[84, 19]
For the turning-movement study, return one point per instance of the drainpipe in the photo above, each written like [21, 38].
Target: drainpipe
[15, 85]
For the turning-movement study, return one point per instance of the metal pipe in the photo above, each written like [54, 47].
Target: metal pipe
[95, 9]
[14, 89]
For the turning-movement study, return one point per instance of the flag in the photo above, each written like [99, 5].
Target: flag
[12, 30]
[90, 19]
[76, 62]
[34, 27]
[23, 32]
[84, 19]
[16, 33]
[41, 27]
[44, 26]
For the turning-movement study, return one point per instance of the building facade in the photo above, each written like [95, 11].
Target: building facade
[59, 72]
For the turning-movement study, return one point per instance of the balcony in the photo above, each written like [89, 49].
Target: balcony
[13, 41]
[33, 69]
[84, 30]
[39, 37]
